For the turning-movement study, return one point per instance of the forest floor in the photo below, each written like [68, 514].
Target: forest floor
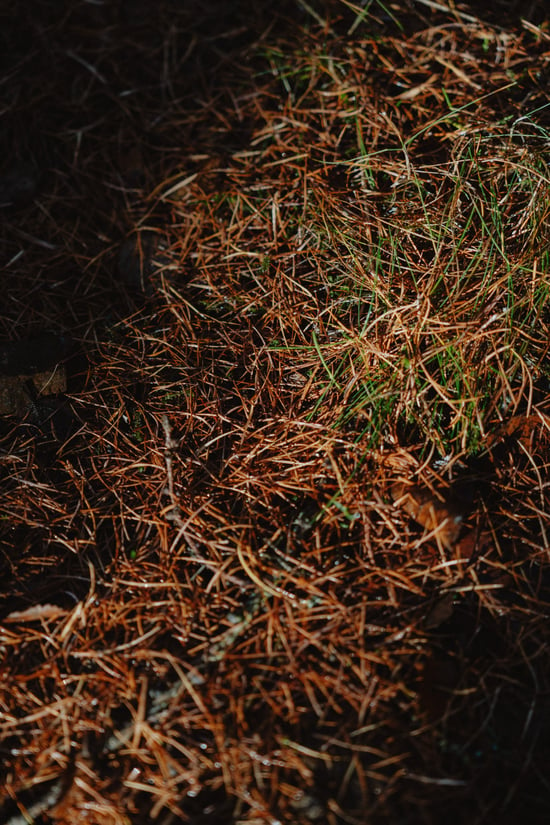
[275, 396]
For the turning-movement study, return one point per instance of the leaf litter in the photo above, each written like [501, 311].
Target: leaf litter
[277, 549]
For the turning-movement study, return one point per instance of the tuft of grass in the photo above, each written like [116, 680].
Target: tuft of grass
[448, 287]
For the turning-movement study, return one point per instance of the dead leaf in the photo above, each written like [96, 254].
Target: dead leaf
[36, 613]
[18, 392]
[429, 511]
[519, 426]
[441, 610]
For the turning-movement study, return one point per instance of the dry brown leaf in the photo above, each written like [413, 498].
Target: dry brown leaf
[15, 395]
[519, 426]
[429, 511]
[441, 610]
[36, 613]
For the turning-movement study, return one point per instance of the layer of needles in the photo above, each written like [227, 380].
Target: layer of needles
[281, 552]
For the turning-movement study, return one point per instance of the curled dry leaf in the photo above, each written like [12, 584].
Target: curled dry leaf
[521, 427]
[36, 613]
[429, 511]
[440, 610]
[17, 392]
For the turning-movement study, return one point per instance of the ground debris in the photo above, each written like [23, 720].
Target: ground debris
[277, 549]
[436, 514]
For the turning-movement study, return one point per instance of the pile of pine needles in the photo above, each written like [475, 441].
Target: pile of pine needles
[281, 553]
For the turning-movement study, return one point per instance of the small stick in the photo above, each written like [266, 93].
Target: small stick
[170, 446]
